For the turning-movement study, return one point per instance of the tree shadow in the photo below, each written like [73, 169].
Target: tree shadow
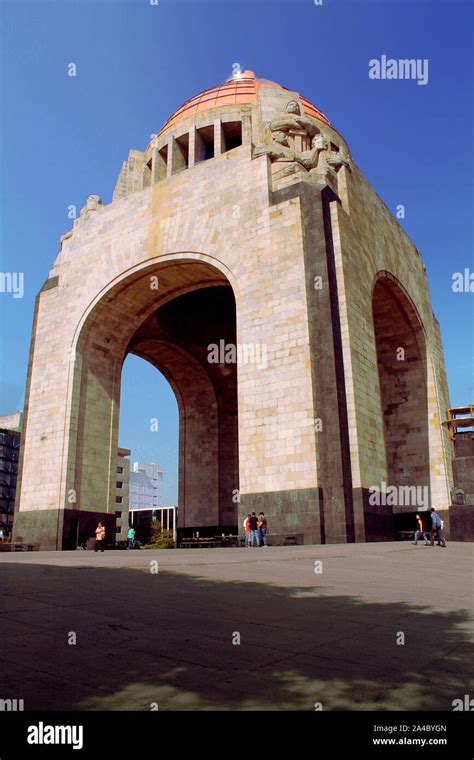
[175, 642]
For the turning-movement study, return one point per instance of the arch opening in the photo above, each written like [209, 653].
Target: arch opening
[147, 467]
[402, 370]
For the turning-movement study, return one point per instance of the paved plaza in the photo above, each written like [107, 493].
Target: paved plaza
[316, 624]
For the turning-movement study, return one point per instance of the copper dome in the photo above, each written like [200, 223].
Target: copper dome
[241, 88]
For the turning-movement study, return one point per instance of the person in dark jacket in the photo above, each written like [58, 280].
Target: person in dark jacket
[262, 529]
[437, 527]
[253, 524]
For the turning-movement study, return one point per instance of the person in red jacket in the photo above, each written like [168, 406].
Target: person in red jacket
[420, 533]
[246, 525]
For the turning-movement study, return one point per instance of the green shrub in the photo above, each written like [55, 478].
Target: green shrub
[160, 540]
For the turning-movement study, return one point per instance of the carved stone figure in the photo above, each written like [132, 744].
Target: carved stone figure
[293, 121]
[64, 237]
[336, 160]
[278, 148]
[93, 203]
[458, 496]
[310, 158]
[297, 140]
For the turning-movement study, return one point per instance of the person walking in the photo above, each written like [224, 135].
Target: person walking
[441, 536]
[131, 538]
[419, 532]
[436, 527]
[253, 523]
[99, 537]
[262, 526]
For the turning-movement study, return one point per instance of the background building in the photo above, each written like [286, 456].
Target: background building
[460, 424]
[146, 486]
[122, 494]
[10, 437]
[143, 519]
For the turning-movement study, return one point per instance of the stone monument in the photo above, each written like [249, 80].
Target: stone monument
[244, 225]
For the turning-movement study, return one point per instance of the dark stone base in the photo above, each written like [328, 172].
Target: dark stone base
[461, 522]
[381, 524]
[378, 519]
[39, 528]
[57, 529]
[292, 512]
[312, 511]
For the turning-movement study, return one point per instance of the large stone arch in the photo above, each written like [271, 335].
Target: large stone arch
[111, 331]
[107, 330]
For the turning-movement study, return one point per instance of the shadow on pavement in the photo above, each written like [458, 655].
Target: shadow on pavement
[169, 641]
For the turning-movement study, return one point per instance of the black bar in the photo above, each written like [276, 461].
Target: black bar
[324, 734]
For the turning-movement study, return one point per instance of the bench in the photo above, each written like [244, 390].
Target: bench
[279, 539]
[16, 546]
[198, 543]
[208, 543]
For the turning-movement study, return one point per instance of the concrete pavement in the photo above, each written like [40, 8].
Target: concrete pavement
[353, 627]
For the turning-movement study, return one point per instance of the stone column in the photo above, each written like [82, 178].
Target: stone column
[192, 147]
[169, 163]
[246, 127]
[198, 147]
[158, 166]
[219, 138]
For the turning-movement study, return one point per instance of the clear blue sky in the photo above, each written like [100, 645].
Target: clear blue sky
[63, 138]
